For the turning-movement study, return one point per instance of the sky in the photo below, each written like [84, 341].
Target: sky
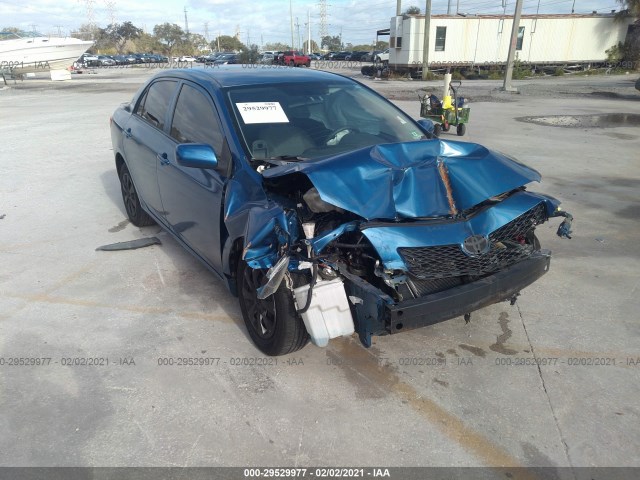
[259, 21]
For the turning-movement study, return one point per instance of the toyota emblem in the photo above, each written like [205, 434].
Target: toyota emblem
[476, 245]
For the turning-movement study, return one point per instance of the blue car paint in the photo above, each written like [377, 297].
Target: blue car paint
[385, 182]
[401, 180]
[325, 238]
[387, 239]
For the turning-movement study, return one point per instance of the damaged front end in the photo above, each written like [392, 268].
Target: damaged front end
[394, 237]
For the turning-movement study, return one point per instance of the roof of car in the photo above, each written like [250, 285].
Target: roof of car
[240, 75]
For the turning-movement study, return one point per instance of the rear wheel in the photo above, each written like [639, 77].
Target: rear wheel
[273, 323]
[461, 129]
[136, 214]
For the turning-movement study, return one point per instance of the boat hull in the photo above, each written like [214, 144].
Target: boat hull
[40, 54]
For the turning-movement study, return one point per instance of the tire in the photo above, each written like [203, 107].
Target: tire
[437, 129]
[461, 129]
[273, 323]
[292, 63]
[136, 214]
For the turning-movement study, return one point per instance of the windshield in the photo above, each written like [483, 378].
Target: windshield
[312, 120]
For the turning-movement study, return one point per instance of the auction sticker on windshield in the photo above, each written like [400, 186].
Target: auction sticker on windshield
[262, 112]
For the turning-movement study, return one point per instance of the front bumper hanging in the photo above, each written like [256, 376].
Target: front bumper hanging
[457, 301]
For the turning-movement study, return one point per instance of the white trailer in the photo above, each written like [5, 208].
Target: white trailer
[483, 40]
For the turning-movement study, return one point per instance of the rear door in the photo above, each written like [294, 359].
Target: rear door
[145, 140]
[192, 197]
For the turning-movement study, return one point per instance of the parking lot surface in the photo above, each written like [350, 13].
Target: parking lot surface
[99, 351]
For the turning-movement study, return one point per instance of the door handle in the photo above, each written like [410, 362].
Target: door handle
[127, 133]
[163, 158]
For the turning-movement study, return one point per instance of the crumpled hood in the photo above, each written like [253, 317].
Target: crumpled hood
[405, 180]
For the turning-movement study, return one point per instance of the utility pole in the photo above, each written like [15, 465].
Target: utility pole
[398, 8]
[298, 35]
[309, 31]
[59, 27]
[186, 22]
[573, 7]
[291, 17]
[206, 30]
[508, 75]
[449, 7]
[425, 45]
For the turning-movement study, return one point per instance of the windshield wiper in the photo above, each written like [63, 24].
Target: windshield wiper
[289, 158]
[280, 159]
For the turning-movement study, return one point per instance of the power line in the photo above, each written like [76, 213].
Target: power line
[111, 10]
[323, 30]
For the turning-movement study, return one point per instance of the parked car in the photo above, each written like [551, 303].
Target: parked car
[293, 59]
[157, 58]
[323, 206]
[358, 56]
[105, 61]
[266, 59]
[382, 57]
[227, 59]
[341, 56]
[88, 59]
[372, 55]
[211, 58]
[130, 59]
[120, 59]
[186, 58]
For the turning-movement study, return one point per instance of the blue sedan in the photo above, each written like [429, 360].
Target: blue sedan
[325, 208]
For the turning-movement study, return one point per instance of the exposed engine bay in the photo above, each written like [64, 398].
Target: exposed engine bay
[428, 257]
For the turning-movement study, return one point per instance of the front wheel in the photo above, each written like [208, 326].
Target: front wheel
[273, 323]
[461, 129]
[136, 214]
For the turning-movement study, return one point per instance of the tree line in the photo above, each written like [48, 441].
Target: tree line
[172, 40]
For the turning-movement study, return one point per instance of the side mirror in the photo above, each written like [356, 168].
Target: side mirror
[196, 155]
[427, 127]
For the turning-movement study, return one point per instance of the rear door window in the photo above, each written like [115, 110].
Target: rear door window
[155, 103]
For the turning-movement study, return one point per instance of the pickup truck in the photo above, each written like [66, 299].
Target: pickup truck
[294, 59]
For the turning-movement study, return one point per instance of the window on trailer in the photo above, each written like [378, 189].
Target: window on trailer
[441, 37]
[520, 38]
